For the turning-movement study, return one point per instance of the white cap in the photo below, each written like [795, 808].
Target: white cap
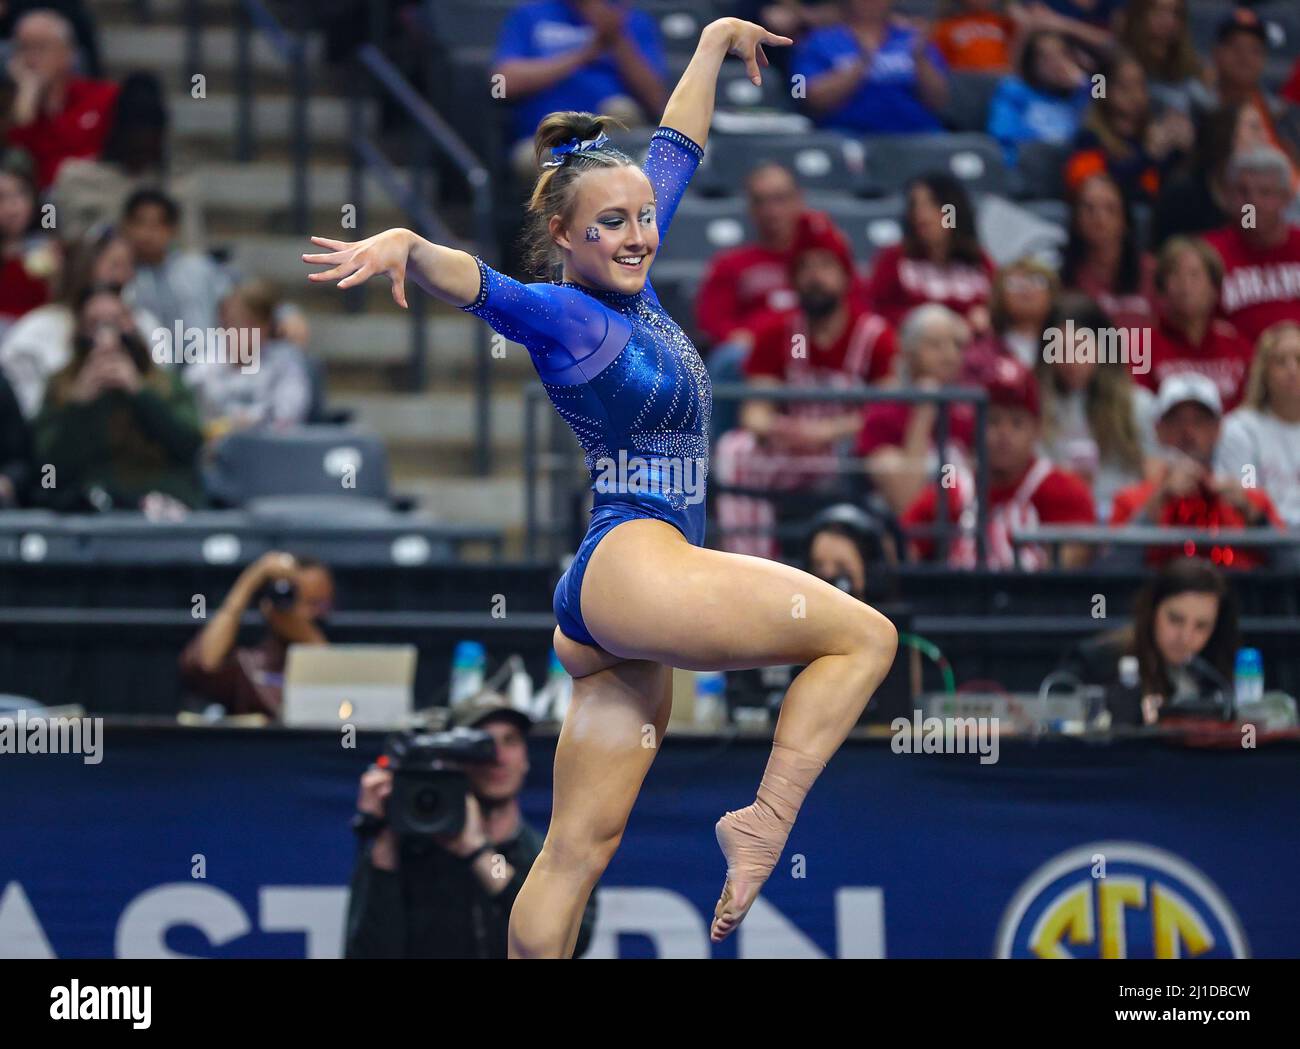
[1188, 386]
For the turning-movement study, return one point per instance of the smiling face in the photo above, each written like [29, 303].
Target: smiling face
[610, 236]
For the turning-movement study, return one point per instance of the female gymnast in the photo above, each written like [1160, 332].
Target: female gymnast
[642, 594]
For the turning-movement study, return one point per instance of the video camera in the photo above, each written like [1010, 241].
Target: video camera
[429, 781]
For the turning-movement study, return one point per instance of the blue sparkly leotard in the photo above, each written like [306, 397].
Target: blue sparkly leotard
[626, 379]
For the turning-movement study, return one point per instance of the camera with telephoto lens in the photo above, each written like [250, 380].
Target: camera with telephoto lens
[429, 781]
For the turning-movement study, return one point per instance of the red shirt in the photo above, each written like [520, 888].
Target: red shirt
[1223, 355]
[1291, 90]
[77, 130]
[1195, 511]
[1260, 287]
[899, 284]
[1126, 309]
[1041, 494]
[886, 424]
[19, 290]
[740, 285]
[864, 353]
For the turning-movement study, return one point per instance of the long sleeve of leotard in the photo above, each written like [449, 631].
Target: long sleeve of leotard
[669, 164]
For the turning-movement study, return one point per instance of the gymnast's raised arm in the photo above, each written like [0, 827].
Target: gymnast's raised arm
[445, 273]
[690, 107]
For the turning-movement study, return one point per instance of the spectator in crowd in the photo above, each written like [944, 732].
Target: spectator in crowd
[1184, 620]
[119, 432]
[1261, 439]
[898, 440]
[1045, 100]
[1025, 489]
[1103, 257]
[872, 73]
[1158, 35]
[1291, 89]
[1189, 336]
[1090, 23]
[1183, 491]
[1260, 250]
[976, 36]
[275, 389]
[174, 285]
[449, 896]
[939, 259]
[294, 595]
[28, 261]
[90, 192]
[1123, 138]
[1023, 304]
[1236, 74]
[56, 115]
[15, 449]
[598, 56]
[1097, 423]
[40, 343]
[750, 280]
[831, 341]
[1196, 199]
[76, 15]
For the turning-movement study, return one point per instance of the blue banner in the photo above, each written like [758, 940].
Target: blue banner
[224, 843]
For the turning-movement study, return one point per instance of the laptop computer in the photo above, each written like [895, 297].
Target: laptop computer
[369, 686]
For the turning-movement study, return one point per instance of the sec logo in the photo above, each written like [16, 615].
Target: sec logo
[1119, 899]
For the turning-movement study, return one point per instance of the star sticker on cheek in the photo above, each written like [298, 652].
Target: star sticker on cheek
[593, 233]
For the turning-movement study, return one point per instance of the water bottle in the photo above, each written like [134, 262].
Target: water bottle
[1249, 678]
[468, 662]
[710, 699]
[552, 700]
[520, 687]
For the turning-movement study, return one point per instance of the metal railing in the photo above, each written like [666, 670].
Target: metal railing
[552, 475]
[1137, 537]
[429, 134]
[253, 20]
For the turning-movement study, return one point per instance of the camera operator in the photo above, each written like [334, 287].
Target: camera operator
[449, 896]
[293, 594]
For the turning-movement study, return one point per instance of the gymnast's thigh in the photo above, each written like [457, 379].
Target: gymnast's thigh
[649, 594]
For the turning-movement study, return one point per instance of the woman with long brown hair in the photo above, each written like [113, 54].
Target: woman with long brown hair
[1096, 420]
[643, 595]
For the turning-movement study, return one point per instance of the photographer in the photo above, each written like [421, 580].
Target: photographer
[449, 896]
[293, 594]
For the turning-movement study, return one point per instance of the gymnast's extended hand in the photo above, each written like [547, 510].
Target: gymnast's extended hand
[447, 273]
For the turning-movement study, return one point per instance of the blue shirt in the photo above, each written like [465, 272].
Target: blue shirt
[619, 370]
[1020, 114]
[553, 27]
[1099, 14]
[887, 100]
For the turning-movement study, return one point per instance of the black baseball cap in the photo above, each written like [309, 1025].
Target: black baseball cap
[1241, 20]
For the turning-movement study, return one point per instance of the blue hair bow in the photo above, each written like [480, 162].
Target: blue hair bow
[574, 146]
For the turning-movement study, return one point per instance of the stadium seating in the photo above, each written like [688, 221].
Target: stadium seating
[894, 160]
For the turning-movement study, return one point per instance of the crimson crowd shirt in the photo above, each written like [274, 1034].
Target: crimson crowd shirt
[741, 284]
[1260, 287]
[1041, 494]
[886, 425]
[784, 351]
[899, 284]
[1200, 510]
[1222, 354]
[77, 130]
